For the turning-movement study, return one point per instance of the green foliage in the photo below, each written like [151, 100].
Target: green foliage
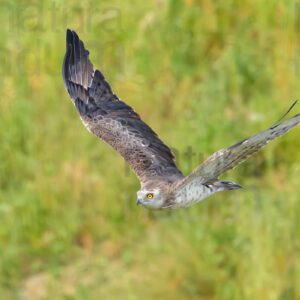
[204, 74]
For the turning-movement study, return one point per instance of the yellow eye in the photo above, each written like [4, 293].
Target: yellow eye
[149, 196]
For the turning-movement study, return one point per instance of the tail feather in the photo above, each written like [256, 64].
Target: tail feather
[225, 186]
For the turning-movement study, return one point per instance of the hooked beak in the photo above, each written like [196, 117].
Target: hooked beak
[138, 201]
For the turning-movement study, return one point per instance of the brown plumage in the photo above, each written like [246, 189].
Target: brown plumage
[109, 118]
[162, 184]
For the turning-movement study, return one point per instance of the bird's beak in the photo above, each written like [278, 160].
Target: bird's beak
[138, 201]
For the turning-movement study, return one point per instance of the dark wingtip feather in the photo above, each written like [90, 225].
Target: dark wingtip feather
[77, 68]
[277, 122]
[69, 39]
[65, 70]
[68, 35]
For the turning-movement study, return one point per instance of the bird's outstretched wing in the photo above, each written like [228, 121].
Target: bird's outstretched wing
[112, 120]
[228, 158]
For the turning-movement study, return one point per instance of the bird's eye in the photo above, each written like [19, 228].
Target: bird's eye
[150, 196]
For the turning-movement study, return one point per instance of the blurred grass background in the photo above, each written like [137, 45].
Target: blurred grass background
[203, 74]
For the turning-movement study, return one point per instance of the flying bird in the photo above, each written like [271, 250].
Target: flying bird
[163, 186]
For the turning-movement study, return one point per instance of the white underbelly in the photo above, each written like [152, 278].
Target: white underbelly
[192, 193]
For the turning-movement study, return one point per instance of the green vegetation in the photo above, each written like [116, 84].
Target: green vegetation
[204, 74]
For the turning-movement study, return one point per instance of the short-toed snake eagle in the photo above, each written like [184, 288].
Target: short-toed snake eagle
[163, 186]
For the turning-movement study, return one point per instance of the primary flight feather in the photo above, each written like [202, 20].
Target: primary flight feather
[163, 186]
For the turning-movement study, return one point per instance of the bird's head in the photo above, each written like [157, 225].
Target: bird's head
[155, 198]
[151, 199]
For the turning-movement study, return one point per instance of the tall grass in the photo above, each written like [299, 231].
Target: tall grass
[203, 74]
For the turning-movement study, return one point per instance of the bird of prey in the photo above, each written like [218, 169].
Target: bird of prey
[163, 186]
